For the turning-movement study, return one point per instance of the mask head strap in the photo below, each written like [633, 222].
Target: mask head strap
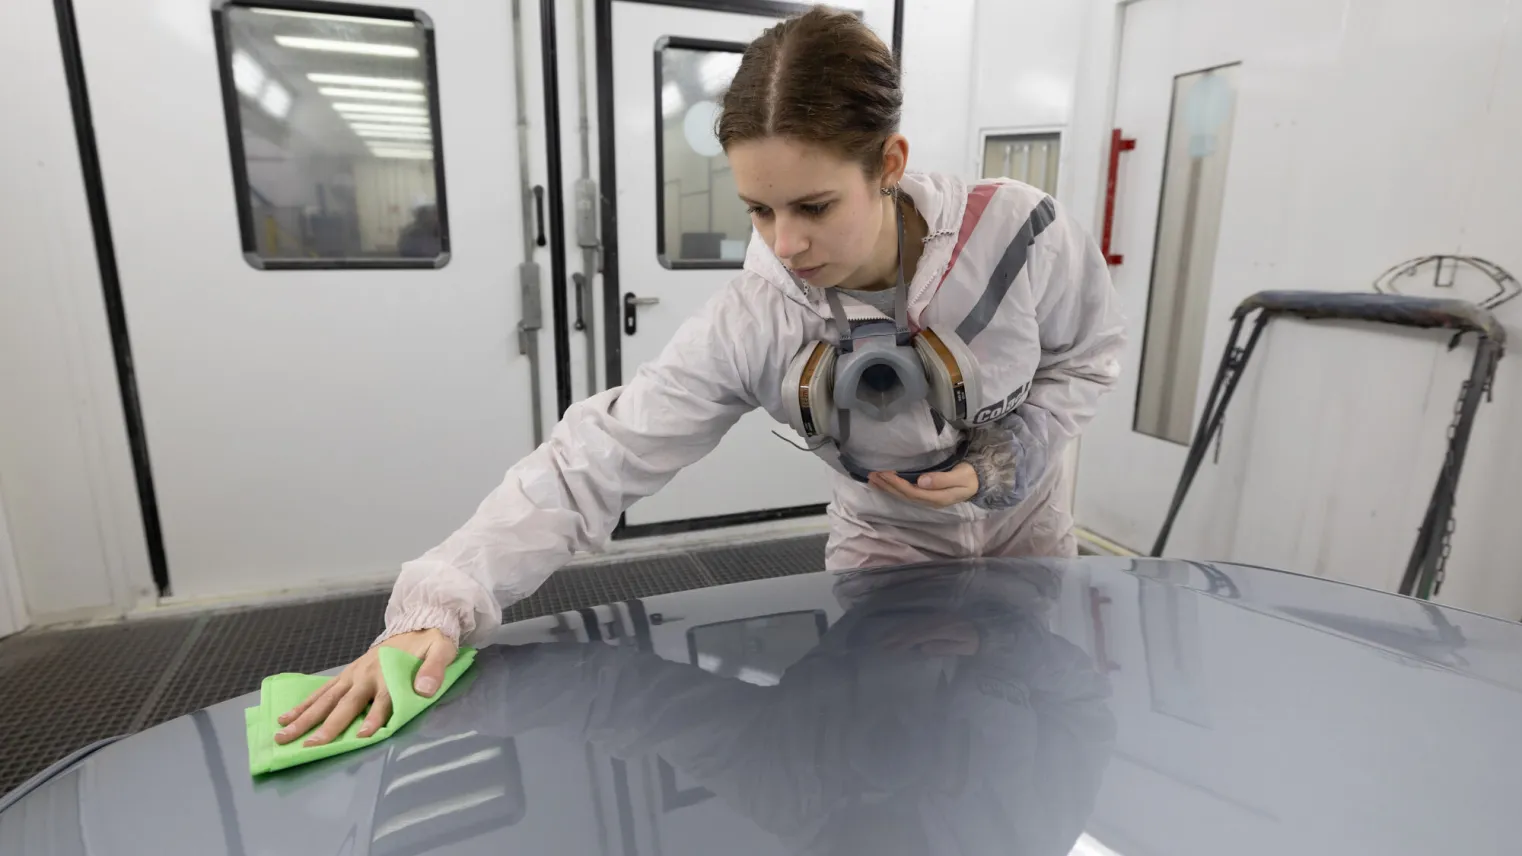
[901, 288]
[900, 297]
[860, 473]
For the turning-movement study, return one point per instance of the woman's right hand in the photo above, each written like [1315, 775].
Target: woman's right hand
[342, 699]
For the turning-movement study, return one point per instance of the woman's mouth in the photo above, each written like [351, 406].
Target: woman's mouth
[808, 273]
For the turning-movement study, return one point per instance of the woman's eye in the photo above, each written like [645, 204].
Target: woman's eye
[758, 211]
[815, 209]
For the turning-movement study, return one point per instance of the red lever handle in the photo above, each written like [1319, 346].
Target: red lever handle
[1118, 144]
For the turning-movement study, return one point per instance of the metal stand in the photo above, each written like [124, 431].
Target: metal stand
[1424, 571]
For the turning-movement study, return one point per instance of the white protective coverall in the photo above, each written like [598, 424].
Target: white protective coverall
[1023, 285]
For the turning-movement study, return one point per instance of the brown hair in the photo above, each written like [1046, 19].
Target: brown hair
[822, 77]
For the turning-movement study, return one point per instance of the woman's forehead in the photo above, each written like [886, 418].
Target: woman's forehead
[780, 171]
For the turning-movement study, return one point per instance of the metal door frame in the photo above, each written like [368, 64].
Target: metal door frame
[111, 286]
[607, 151]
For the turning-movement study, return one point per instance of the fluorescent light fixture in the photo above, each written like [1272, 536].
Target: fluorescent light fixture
[424, 745]
[397, 134]
[400, 129]
[403, 154]
[433, 811]
[359, 124]
[439, 769]
[756, 676]
[336, 92]
[1088, 845]
[360, 116]
[347, 107]
[388, 121]
[276, 100]
[389, 136]
[355, 80]
[369, 22]
[248, 76]
[401, 146]
[336, 46]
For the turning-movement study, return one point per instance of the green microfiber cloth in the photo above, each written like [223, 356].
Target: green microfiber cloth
[280, 693]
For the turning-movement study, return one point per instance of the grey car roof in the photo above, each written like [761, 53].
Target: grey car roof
[1092, 706]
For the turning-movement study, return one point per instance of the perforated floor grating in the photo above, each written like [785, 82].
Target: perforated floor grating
[66, 689]
[234, 652]
[69, 689]
[770, 559]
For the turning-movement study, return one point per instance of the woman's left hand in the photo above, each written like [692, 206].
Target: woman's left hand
[937, 490]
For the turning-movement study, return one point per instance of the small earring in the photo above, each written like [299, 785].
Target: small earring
[889, 191]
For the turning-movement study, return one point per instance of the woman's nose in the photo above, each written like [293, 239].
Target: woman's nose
[791, 241]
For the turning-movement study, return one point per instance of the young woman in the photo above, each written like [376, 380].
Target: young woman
[845, 237]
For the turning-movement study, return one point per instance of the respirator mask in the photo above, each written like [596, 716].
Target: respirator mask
[880, 370]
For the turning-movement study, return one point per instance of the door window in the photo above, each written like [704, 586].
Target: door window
[1189, 220]
[334, 129]
[1031, 158]
[701, 221]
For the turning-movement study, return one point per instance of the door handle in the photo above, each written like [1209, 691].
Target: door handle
[1118, 144]
[539, 213]
[579, 282]
[631, 311]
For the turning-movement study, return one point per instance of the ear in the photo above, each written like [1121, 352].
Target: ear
[895, 159]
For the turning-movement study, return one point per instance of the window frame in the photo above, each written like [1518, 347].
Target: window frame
[1157, 245]
[232, 112]
[1042, 132]
[661, 255]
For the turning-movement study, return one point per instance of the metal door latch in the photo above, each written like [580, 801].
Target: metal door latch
[631, 311]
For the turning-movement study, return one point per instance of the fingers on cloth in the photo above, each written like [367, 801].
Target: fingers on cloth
[430, 675]
[316, 709]
[290, 715]
[346, 711]
[380, 712]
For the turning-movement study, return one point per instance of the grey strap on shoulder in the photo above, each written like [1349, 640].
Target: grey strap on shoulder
[900, 298]
[900, 288]
[842, 323]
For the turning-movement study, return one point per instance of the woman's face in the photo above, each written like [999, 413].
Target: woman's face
[820, 213]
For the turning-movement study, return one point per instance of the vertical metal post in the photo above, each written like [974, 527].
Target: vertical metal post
[586, 207]
[1424, 570]
[1227, 376]
[531, 312]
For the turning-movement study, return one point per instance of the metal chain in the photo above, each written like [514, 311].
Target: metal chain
[1440, 571]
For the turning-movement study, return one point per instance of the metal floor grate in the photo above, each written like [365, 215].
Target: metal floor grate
[66, 689]
[760, 561]
[233, 653]
[577, 588]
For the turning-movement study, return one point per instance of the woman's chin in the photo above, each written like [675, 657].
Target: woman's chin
[826, 278]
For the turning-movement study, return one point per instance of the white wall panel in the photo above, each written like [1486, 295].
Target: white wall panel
[1024, 64]
[1368, 132]
[65, 469]
[938, 83]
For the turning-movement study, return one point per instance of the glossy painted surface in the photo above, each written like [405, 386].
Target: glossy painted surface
[1093, 706]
